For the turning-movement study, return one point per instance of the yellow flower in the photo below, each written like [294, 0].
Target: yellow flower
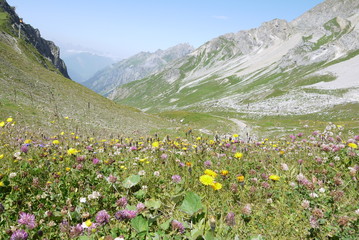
[68, 169]
[238, 155]
[27, 141]
[194, 146]
[210, 173]
[216, 186]
[1, 156]
[72, 151]
[235, 135]
[198, 138]
[66, 117]
[281, 152]
[2, 124]
[206, 180]
[240, 178]
[62, 133]
[188, 164]
[155, 144]
[88, 223]
[211, 142]
[2, 184]
[274, 177]
[9, 120]
[56, 142]
[353, 145]
[224, 172]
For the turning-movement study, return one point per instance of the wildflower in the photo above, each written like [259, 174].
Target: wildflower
[313, 222]
[112, 179]
[76, 231]
[142, 172]
[206, 180]
[19, 235]
[353, 145]
[24, 148]
[56, 142]
[2, 124]
[125, 215]
[274, 177]
[2, 184]
[238, 155]
[188, 164]
[240, 178]
[72, 151]
[155, 144]
[284, 167]
[140, 207]
[247, 209]
[176, 178]
[83, 200]
[27, 219]
[122, 202]
[87, 224]
[230, 219]
[9, 120]
[102, 217]
[1, 156]
[216, 186]
[67, 169]
[12, 175]
[210, 173]
[224, 172]
[305, 204]
[207, 163]
[235, 135]
[176, 225]
[156, 173]
[94, 195]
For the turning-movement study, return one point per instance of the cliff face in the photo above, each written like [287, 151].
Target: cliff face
[46, 48]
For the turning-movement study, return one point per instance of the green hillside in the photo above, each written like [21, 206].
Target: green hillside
[41, 97]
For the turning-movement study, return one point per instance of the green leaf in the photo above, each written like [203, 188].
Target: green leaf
[84, 238]
[140, 224]
[164, 226]
[131, 181]
[153, 203]
[191, 203]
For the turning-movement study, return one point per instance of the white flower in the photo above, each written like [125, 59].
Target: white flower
[313, 195]
[322, 190]
[269, 200]
[336, 158]
[144, 187]
[12, 175]
[156, 173]
[119, 238]
[94, 195]
[83, 200]
[284, 167]
[142, 172]
[357, 211]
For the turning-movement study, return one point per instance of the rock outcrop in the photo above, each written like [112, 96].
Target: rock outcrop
[46, 48]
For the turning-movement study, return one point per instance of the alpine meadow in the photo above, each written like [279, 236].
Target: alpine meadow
[252, 135]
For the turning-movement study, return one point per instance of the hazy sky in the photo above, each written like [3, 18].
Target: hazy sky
[121, 28]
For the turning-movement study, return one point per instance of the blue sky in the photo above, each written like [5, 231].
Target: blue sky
[121, 28]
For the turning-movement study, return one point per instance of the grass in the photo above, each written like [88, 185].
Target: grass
[75, 186]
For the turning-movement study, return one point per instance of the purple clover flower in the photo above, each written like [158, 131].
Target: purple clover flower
[24, 148]
[28, 220]
[140, 207]
[125, 215]
[102, 217]
[176, 178]
[176, 225]
[76, 231]
[122, 202]
[230, 219]
[19, 235]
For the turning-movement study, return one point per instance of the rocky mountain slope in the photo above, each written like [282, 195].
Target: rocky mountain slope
[309, 65]
[134, 68]
[34, 93]
[46, 48]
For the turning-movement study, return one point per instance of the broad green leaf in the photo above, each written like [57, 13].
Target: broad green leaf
[153, 203]
[140, 224]
[131, 181]
[191, 203]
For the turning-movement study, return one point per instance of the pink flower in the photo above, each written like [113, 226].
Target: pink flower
[28, 220]
[102, 217]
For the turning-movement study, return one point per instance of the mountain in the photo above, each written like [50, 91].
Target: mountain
[306, 66]
[33, 90]
[47, 49]
[83, 65]
[134, 68]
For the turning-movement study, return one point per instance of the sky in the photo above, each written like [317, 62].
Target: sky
[122, 28]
